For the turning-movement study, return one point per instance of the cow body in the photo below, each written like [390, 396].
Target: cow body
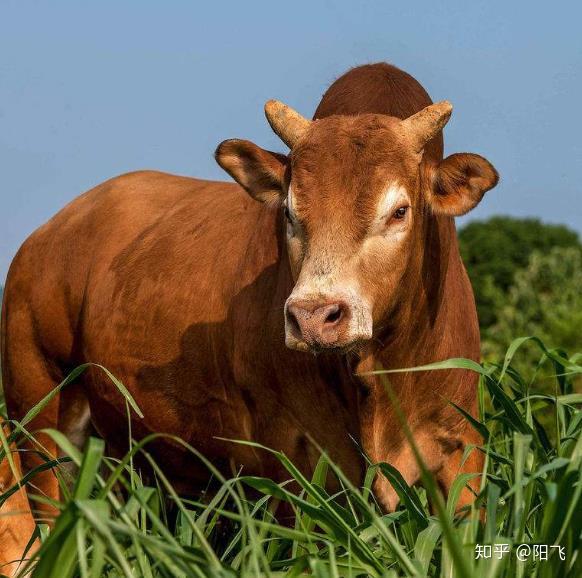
[184, 309]
[178, 286]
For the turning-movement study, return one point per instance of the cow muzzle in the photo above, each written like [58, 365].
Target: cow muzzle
[313, 325]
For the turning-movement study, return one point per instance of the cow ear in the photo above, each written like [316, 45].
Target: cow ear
[259, 172]
[458, 183]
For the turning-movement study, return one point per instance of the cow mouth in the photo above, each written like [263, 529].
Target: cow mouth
[315, 348]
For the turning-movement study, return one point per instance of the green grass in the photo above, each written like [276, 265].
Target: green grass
[112, 524]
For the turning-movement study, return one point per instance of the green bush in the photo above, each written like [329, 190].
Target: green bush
[495, 249]
[545, 299]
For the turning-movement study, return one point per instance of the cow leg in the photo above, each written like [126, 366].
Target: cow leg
[69, 413]
[74, 421]
[29, 377]
[455, 465]
[16, 522]
[36, 453]
[444, 465]
[405, 462]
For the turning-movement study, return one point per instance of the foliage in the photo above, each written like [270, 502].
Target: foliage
[493, 250]
[545, 299]
[531, 491]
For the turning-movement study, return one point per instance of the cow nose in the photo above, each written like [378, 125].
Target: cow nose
[317, 323]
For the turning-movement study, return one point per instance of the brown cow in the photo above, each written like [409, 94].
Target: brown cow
[16, 523]
[203, 297]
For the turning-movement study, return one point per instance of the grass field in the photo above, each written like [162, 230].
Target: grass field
[530, 503]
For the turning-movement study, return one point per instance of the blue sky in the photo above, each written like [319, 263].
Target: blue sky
[89, 90]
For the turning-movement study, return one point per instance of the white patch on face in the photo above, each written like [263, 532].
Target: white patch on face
[289, 202]
[393, 197]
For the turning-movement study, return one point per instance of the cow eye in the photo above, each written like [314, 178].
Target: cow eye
[288, 215]
[400, 213]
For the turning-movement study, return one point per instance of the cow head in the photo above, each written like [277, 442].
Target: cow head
[355, 195]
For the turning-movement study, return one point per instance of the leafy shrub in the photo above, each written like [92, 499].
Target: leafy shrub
[545, 299]
[495, 249]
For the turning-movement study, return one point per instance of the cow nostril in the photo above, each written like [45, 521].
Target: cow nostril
[334, 315]
[293, 322]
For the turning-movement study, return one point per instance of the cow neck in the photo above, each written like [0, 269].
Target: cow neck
[414, 333]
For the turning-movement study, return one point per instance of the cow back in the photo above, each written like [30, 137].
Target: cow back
[381, 89]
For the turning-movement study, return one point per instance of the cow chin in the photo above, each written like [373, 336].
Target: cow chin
[315, 347]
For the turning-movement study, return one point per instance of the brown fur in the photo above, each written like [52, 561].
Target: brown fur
[16, 522]
[423, 303]
[178, 286]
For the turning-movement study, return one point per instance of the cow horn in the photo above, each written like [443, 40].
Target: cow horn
[287, 124]
[425, 124]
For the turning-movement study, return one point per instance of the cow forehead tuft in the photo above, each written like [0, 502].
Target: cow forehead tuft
[351, 147]
[341, 175]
